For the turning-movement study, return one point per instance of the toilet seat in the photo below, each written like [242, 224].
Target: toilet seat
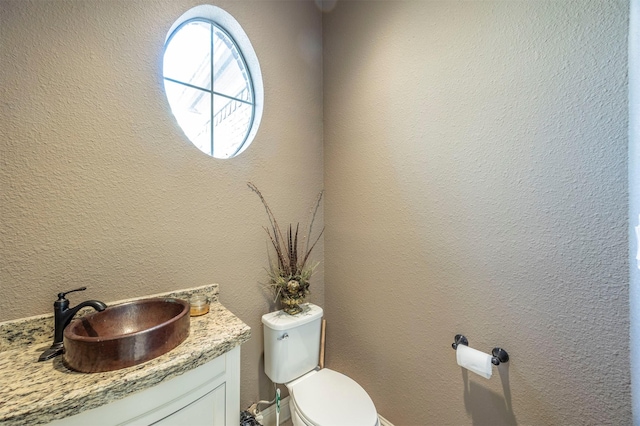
[329, 398]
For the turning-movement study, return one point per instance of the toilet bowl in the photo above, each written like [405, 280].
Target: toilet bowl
[326, 397]
[318, 397]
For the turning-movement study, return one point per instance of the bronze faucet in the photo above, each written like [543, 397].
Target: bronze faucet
[62, 317]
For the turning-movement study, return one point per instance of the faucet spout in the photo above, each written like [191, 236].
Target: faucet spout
[95, 304]
[62, 317]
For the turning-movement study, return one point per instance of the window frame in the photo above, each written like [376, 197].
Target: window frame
[227, 24]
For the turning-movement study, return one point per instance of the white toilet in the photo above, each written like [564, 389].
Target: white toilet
[317, 397]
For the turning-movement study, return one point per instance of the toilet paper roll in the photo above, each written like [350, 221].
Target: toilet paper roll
[474, 360]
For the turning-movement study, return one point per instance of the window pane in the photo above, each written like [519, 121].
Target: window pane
[231, 123]
[229, 71]
[187, 57]
[204, 60]
[192, 109]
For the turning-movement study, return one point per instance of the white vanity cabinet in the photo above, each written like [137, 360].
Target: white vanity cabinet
[207, 395]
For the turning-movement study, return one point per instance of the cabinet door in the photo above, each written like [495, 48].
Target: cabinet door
[208, 410]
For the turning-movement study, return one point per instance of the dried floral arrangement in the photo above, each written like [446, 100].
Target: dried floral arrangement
[289, 272]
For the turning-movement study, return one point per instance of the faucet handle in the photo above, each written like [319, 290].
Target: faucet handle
[62, 295]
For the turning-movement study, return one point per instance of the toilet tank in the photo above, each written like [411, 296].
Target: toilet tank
[291, 343]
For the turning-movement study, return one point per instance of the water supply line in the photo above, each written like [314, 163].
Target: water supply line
[255, 408]
[277, 407]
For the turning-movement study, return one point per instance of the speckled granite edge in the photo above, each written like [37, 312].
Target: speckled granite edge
[39, 328]
[38, 393]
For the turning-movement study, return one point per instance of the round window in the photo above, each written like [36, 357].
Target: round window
[213, 82]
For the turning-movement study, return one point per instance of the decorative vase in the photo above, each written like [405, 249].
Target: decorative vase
[291, 304]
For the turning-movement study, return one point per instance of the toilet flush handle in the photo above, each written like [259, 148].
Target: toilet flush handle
[284, 336]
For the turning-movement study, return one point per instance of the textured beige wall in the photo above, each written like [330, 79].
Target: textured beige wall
[99, 187]
[475, 172]
[634, 203]
[475, 169]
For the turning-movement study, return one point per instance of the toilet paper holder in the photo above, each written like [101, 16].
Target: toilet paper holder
[499, 354]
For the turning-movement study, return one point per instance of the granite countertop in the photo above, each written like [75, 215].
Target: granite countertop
[34, 392]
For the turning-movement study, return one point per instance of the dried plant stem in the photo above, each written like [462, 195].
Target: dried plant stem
[313, 219]
[291, 264]
[277, 237]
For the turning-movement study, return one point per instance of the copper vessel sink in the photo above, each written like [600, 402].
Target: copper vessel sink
[125, 335]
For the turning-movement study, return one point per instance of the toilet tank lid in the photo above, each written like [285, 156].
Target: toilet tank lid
[281, 320]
